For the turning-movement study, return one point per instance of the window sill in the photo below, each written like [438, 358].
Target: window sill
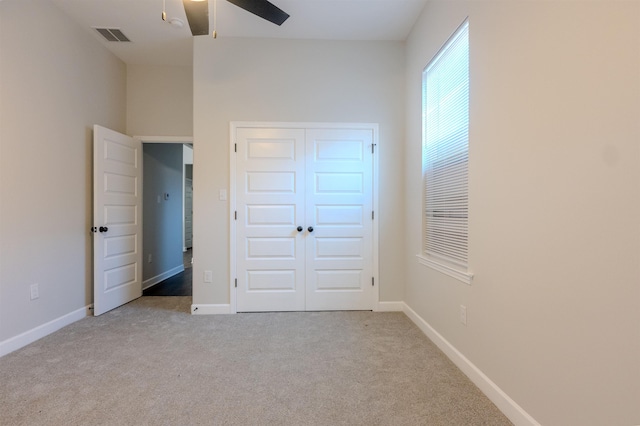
[440, 266]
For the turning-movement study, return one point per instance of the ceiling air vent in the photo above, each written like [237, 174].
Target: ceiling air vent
[112, 34]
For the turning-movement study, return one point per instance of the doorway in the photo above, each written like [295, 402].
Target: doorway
[167, 217]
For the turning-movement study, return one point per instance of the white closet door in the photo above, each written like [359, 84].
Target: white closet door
[270, 205]
[339, 205]
[304, 228]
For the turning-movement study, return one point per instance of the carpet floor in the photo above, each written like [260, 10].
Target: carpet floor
[152, 363]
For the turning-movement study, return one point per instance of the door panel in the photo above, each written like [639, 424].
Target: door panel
[117, 206]
[271, 215]
[339, 248]
[271, 183]
[339, 202]
[282, 279]
[339, 183]
[270, 196]
[338, 280]
[344, 215]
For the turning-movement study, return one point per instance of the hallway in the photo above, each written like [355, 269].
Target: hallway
[177, 285]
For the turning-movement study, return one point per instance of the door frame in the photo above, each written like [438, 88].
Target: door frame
[233, 126]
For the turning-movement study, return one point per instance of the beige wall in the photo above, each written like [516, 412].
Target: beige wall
[159, 100]
[291, 81]
[56, 81]
[554, 308]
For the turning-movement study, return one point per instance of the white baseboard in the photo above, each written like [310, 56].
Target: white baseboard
[390, 307]
[211, 309]
[161, 277]
[30, 336]
[508, 406]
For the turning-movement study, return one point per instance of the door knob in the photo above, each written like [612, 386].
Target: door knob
[300, 228]
[310, 229]
[103, 229]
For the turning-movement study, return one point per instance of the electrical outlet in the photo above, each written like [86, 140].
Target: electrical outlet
[35, 292]
[208, 276]
[463, 314]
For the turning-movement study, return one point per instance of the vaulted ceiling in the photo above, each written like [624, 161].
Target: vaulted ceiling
[154, 41]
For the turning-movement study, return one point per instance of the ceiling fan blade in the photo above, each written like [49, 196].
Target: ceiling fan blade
[198, 16]
[263, 9]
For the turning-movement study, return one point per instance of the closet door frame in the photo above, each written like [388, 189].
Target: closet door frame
[234, 125]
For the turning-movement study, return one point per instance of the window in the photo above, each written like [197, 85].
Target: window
[445, 114]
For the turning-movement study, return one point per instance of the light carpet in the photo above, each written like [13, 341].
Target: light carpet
[152, 363]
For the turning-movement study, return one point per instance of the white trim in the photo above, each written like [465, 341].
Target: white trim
[376, 217]
[30, 336]
[165, 139]
[465, 277]
[508, 406]
[390, 307]
[302, 125]
[232, 222]
[211, 309]
[161, 277]
[233, 126]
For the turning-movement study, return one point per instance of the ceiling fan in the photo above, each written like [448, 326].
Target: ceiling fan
[198, 13]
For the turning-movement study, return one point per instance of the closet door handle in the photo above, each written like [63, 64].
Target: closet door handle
[103, 229]
[310, 229]
[300, 228]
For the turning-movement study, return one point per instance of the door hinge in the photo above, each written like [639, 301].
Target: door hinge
[236, 283]
[373, 147]
[372, 281]
[235, 147]
[235, 215]
[373, 216]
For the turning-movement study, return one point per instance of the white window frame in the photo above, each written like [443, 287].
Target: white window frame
[446, 159]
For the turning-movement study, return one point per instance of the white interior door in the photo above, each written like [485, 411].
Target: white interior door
[339, 206]
[117, 219]
[304, 200]
[270, 208]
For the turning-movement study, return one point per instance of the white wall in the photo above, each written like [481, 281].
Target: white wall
[554, 308]
[159, 100]
[56, 81]
[293, 81]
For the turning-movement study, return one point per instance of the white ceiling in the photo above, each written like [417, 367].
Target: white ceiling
[154, 41]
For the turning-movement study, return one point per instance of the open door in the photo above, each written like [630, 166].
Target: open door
[117, 219]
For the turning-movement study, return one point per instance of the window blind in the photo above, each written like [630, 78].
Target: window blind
[446, 150]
